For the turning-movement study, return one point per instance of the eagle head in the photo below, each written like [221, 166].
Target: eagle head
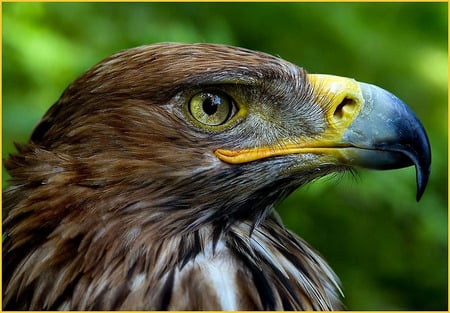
[151, 183]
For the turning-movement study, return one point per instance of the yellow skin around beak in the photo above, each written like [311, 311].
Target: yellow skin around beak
[341, 100]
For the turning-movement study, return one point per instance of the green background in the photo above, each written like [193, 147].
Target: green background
[389, 251]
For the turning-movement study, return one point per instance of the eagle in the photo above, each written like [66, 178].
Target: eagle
[151, 184]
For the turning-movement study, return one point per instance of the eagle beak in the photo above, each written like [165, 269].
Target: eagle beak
[386, 134]
[366, 126]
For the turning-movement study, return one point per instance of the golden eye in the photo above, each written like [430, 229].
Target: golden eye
[211, 108]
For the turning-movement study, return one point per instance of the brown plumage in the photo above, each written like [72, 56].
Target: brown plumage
[150, 184]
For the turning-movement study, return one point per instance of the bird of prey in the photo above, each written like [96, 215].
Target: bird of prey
[151, 183]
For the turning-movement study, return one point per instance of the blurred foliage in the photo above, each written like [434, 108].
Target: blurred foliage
[390, 252]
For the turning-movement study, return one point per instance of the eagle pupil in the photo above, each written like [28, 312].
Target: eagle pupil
[210, 105]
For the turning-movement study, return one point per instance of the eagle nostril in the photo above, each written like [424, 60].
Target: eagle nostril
[345, 108]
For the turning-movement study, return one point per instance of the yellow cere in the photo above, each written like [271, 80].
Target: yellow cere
[343, 96]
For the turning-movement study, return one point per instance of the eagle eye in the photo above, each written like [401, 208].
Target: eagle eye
[211, 108]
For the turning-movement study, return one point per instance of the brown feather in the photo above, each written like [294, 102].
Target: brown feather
[117, 201]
